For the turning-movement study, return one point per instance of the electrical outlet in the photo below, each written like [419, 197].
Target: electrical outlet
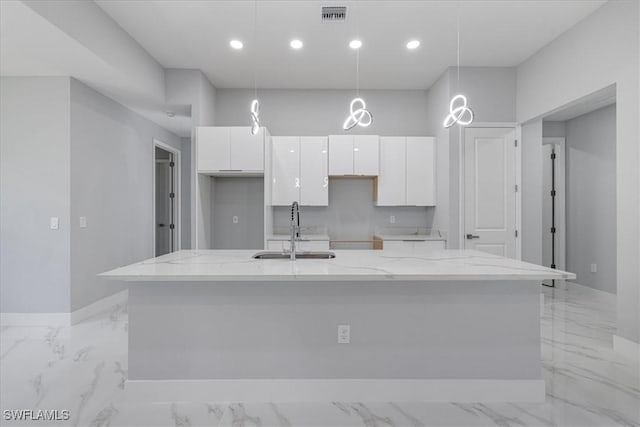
[54, 222]
[392, 219]
[344, 334]
[83, 222]
[235, 219]
[594, 268]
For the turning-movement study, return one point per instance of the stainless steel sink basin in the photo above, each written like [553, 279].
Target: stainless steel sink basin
[299, 255]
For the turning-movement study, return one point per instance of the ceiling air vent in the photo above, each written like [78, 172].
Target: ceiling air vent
[334, 13]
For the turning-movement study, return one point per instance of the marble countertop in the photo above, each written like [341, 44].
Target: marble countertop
[349, 265]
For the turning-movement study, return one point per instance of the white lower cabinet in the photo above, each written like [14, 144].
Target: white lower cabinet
[299, 171]
[303, 245]
[413, 245]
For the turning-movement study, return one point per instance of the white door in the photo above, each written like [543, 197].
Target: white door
[365, 155]
[421, 172]
[490, 190]
[392, 181]
[340, 155]
[286, 170]
[314, 179]
[213, 149]
[247, 150]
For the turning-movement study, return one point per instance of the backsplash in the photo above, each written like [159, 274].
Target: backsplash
[352, 213]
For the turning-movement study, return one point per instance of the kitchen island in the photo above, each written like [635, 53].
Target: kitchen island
[448, 325]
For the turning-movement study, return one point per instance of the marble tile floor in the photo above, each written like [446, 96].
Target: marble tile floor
[83, 369]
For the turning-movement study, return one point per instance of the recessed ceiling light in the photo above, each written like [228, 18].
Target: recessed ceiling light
[296, 44]
[355, 44]
[236, 44]
[413, 44]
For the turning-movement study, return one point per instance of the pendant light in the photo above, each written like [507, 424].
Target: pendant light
[358, 113]
[459, 110]
[255, 104]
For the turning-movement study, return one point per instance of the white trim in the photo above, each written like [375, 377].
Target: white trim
[177, 189]
[328, 390]
[627, 348]
[98, 307]
[64, 319]
[519, 193]
[35, 319]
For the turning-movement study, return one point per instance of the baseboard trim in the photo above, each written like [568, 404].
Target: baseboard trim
[35, 319]
[64, 319]
[98, 307]
[328, 390]
[626, 347]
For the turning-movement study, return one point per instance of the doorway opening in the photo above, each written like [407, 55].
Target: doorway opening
[166, 199]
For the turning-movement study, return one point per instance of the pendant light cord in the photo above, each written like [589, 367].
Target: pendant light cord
[255, 41]
[458, 42]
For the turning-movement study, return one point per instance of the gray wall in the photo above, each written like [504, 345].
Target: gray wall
[322, 112]
[244, 198]
[111, 185]
[591, 198]
[352, 214]
[532, 192]
[554, 129]
[34, 186]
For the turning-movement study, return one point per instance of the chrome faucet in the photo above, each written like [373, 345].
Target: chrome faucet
[295, 229]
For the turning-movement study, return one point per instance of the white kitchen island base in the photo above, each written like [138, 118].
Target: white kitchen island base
[275, 338]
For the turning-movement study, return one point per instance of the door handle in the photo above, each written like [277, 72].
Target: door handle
[471, 236]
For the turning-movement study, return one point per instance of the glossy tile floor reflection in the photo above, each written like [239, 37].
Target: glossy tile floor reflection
[83, 369]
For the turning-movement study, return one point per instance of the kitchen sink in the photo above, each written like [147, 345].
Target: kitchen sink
[299, 255]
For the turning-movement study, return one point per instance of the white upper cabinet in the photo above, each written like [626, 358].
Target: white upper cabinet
[353, 155]
[285, 185]
[407, 172]
[247, 150]
[213, 148]
[314, 171]
[300, 170]
[366, 155]
[341, 155]
[421, 171]
[392, 181]
[229, 149]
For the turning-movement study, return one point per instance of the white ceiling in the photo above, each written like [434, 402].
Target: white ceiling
[196, 34]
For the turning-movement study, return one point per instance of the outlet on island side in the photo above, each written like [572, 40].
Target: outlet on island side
[344, 334]
[235, 219]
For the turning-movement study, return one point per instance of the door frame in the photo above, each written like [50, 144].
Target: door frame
[561, 182]
[177, 205]
[518, 172]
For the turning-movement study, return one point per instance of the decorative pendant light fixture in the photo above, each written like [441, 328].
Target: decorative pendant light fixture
[255, 104]
[358, 113]
[459, 110]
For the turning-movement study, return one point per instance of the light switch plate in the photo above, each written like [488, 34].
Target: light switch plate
[392, 219]
[54, 223]
[83, 222]
[594, 268]
[344, 334]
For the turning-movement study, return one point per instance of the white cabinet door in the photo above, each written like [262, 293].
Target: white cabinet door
[340, 155]
[213, 149]
[392, 178]
[421, 189]
[247, 151]
[285, 170]
[314, 180]
[365, 155]
[396, 245]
